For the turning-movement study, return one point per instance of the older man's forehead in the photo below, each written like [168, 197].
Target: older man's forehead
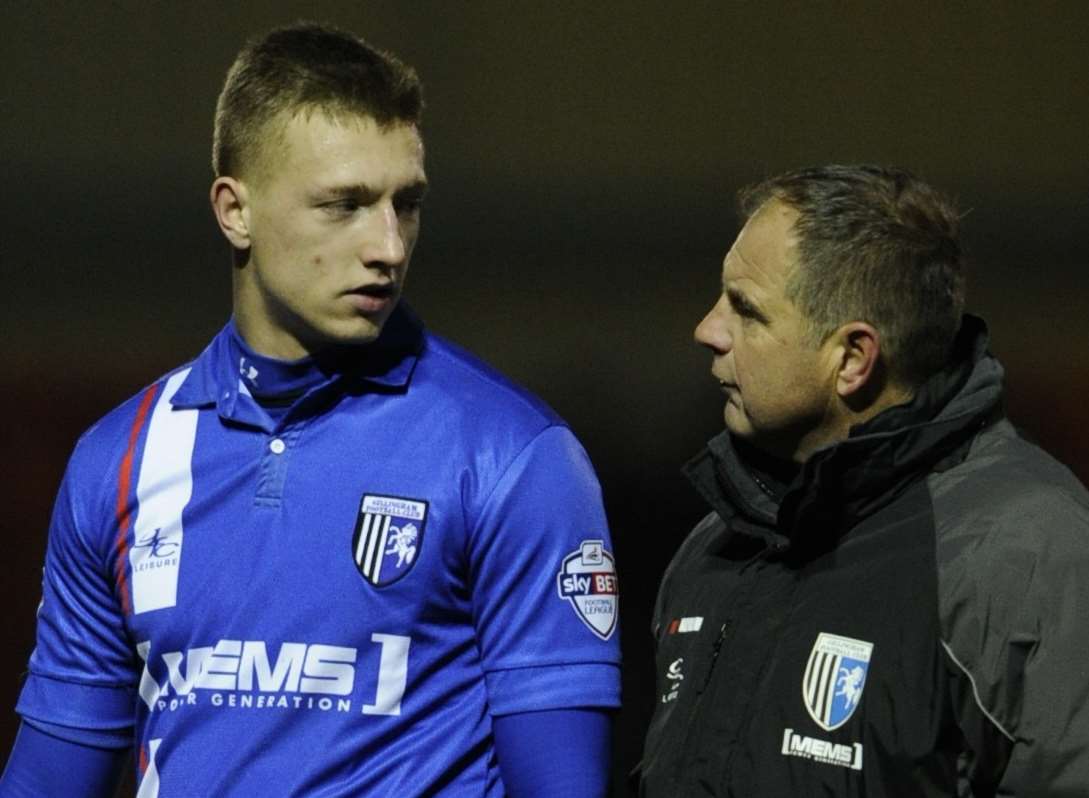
[762, 253]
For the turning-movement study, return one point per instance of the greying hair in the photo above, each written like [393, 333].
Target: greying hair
[304, 68]
[879, 245]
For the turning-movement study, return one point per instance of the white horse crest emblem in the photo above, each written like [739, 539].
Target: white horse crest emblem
[835, 677]
[388, 536]
[402, 542]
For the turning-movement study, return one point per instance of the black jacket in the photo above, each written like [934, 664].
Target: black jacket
[911, 619]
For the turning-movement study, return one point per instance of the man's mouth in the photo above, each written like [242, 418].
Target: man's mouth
[729, 390]
[379, 290]
[373, 298]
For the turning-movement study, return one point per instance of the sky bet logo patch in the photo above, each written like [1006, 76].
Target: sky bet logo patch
[587, 579]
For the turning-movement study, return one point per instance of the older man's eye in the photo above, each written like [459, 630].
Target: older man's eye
[739, 304]
[744, 309]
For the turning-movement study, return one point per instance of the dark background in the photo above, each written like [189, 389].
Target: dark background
[584, 159]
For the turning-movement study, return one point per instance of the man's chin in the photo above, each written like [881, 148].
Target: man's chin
[737, 424]
[331, 337]
[783, 446]
[360, 331]
[741, 429]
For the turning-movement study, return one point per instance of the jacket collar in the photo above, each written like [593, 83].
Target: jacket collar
[854, 478]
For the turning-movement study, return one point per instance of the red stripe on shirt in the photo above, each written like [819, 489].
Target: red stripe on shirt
[124, 506]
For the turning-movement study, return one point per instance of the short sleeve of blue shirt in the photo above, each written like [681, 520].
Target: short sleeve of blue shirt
[545, 597]
[81, 673]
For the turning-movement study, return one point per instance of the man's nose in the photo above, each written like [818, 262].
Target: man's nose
[385, 244]
[712, 331]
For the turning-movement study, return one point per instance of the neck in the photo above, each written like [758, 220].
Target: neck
[892, 396]
[264, 327]
[269, 377]
[844, 415]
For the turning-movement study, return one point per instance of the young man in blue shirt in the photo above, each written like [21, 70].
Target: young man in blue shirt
[335, 554]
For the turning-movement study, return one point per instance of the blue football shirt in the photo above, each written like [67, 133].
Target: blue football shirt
[332, 600]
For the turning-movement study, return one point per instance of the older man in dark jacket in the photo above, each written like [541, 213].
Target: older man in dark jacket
[889, 596]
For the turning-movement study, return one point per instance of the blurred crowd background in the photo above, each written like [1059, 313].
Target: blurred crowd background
[583, 159]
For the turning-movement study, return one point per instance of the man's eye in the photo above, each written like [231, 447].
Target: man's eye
[740, 306]
[744, 310]
[342, 207]
[409, 205]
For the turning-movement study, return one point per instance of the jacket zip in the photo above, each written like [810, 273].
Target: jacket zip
[715, 649]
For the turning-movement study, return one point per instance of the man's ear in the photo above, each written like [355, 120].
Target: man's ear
[230, 204]
[859, 368]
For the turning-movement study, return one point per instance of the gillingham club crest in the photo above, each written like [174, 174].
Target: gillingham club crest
[835, 677]
[587, 579]
[388, 535]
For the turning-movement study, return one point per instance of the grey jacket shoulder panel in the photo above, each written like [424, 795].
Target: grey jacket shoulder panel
[1012, 549]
